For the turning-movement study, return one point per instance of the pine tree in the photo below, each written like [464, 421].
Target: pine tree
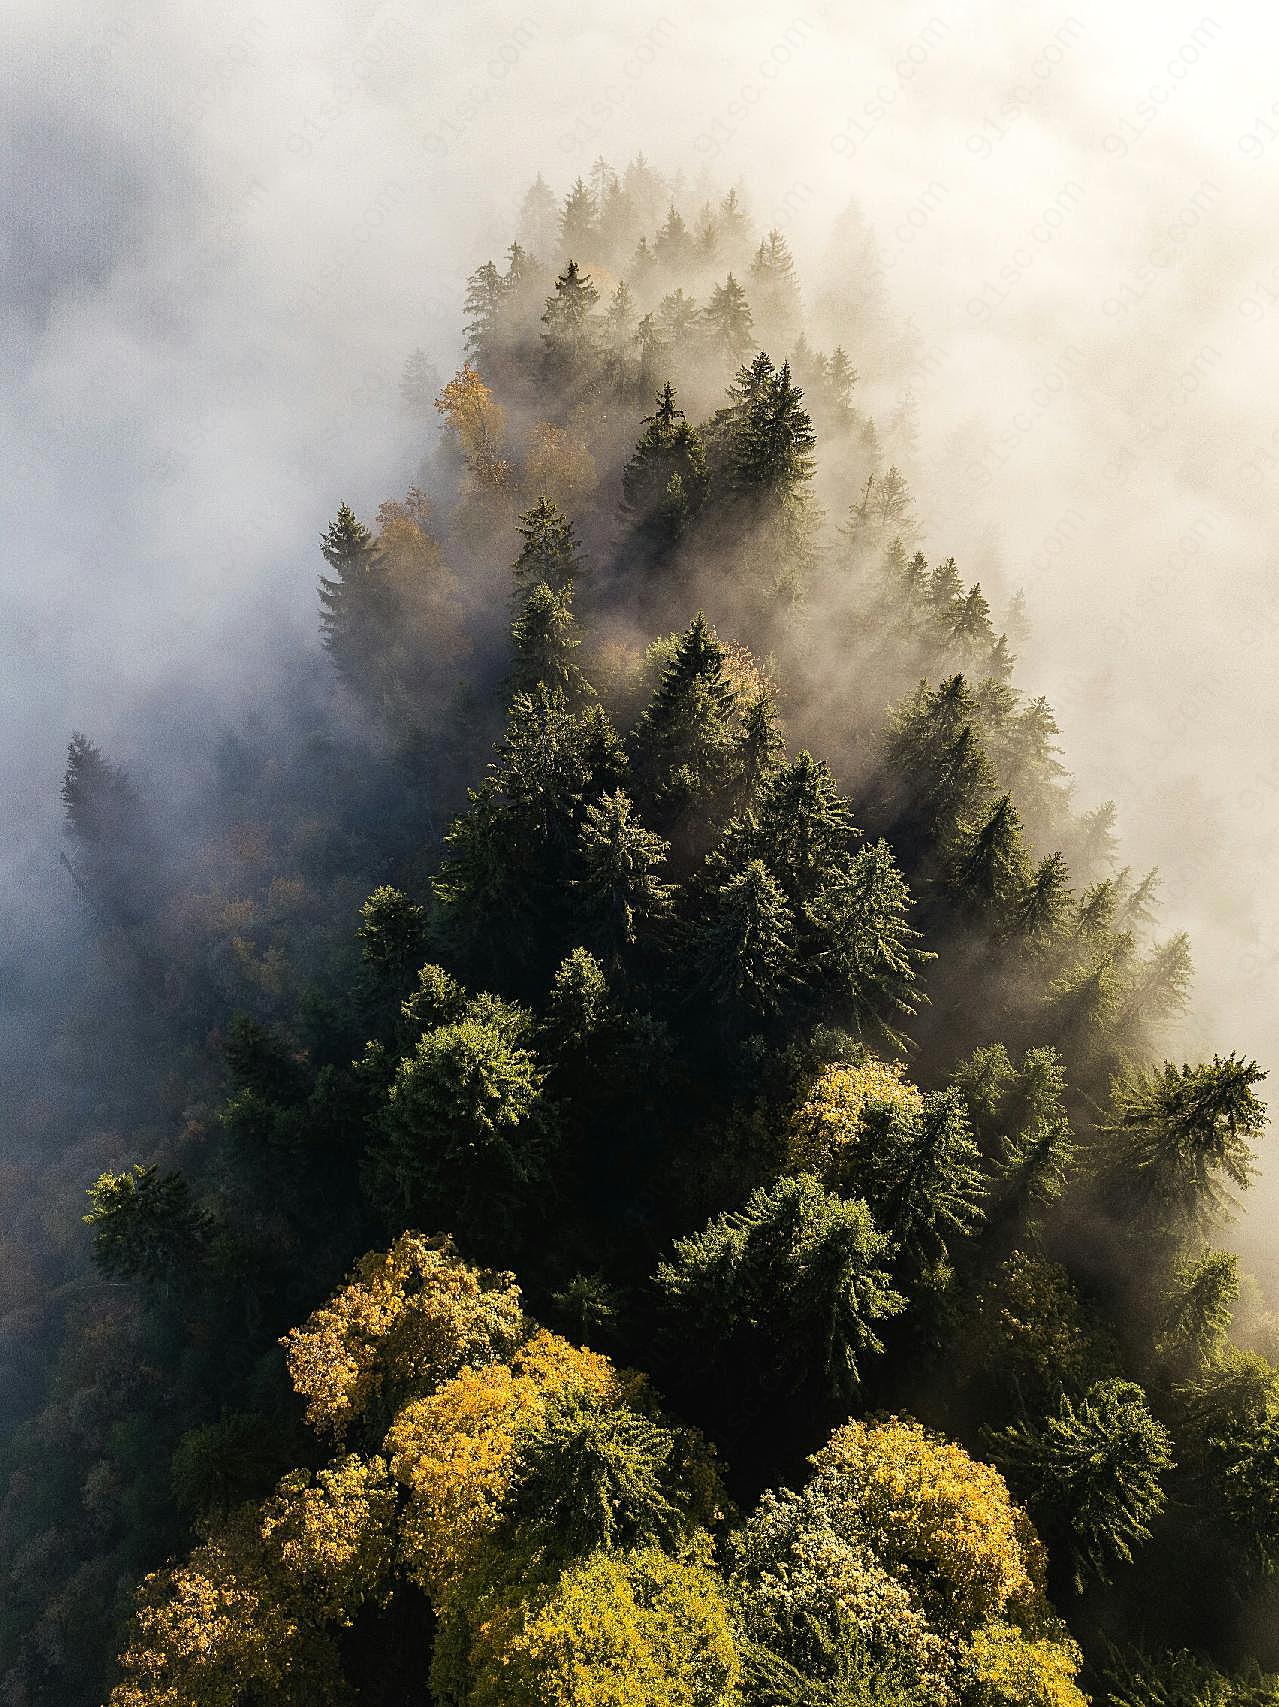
[1197, 1310]
[794, 1284]
[1093, 1472]
[621, 893]
[570, 323]
[744, 958]
[921, 1174]
[775, 290]
[665, 482]
[759, 749]
[1180, 1139]
[936, 769]
[683, 743]
[356, 611]
[991, 872]
[485, 290]
[772, 447]
[801, 826]
[102, 806]
[673, 246]
[734, 226]
[503, 885]
[544, 637]
[1046, 903]
[578, 221]
[146, 1226]
[539, 220]
[619, 335]
[728, 319]
[841, 377]
[420, 384]
[549, 553]
[678, 317]
[867, 956]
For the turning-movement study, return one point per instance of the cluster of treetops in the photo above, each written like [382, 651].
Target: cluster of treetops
[756, 995]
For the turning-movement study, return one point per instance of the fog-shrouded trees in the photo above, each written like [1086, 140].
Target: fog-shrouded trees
[661, 886]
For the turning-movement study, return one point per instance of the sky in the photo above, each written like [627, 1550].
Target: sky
[227, 227]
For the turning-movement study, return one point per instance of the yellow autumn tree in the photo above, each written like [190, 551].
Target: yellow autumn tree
[612, 1631]
[825, 1124]
[250, 1614]
[429, 638]
[454, 1450]
[411, 1318]
[925, 1507]
[479, 423]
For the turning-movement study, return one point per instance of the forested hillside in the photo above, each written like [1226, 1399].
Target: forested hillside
[629, 1149]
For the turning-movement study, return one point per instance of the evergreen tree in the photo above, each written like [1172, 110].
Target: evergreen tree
[539, 221]
[772, 446]
[867, 954]
[775, 289]
[991, 872]
[673, 245]
[102, 807]
[146, 1226]
[1179, 1138]
[578, 221]
[1094, 1472]
[1046, 902]
[793, 1284]
[665, 482]
[937, 773]
[728, 318]
[462, 1135]
[621, 892]
[549, 553]
[733, 225]
[679, 318]
[485, 290]
[570, 321]
[682, 744]
[744, 959]
[356, 611]
[544, 637]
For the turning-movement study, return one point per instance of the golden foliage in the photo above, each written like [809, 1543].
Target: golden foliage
[926, 1507]
[479, 421]
[411, 1318]
[335, 1532]
[825, 1124]
[615, 1630]
[208, 1631]
[1009, 1669]
[455, 1450]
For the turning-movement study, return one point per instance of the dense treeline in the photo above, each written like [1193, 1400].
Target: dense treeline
[675, 904]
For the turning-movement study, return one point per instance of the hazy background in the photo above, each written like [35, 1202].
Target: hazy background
[228, 227]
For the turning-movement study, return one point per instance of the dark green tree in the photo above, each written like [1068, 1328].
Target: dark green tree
[1093, 1473]
[549, 552]
[147, 1226]
[792, 1285]
[683, 744]
[744, 955]
[620, 891]
[1179, 1139]
[571, 327]
[545, 640]
[665, 482]
[728, 322]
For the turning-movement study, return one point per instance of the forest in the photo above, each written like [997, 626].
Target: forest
[617, 1147]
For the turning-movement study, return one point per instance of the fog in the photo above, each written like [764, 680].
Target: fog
[229, 227]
